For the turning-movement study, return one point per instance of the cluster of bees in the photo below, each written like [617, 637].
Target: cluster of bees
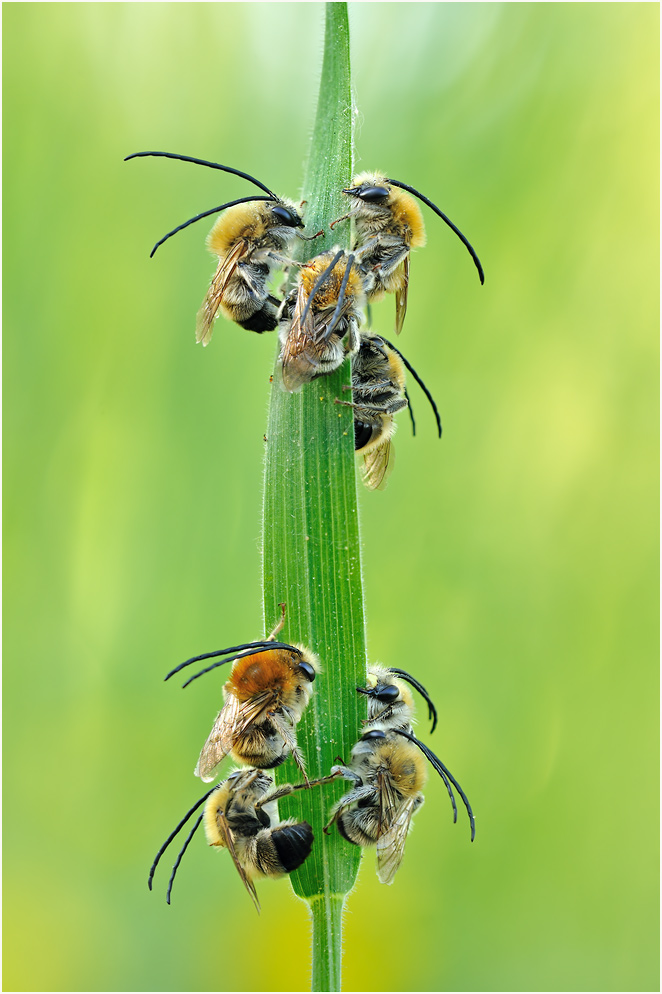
[320, 322]
[270, 686]
[320, 319]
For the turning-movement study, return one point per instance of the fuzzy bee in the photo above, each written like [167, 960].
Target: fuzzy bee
[265, 696]
[390, 702]
[388, 773]
[321, 318]
[379, 392]
[240, 815]
[389, 224]
[249, 240]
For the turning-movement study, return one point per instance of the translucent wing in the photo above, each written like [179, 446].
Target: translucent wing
[205, 320]
[229, 842]
[391, 845]
[232, 721]
[377, 465]
[401, 296]
[298, 355]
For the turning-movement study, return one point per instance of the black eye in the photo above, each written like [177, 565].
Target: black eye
[289, 218]
[362, 434]
[372, 194]
[374, 733]
[307, 670]
[386, 693]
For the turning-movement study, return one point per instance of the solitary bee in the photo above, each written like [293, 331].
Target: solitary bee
[240, 815]
[321, 317]
[390, 702]
[249, 240]
[388, 774]
[268, 690]
[379, 392]
[389, 224]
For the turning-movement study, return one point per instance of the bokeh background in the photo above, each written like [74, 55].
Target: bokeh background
[512, 566]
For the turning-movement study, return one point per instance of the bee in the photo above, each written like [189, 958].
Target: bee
[321, 317]
[390, 702]
[388, 775]
[240, 815]
[249, 240]
[379, 392]
[389, 224]
[268, 690]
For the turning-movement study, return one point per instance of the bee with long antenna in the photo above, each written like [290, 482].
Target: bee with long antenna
[388, 773]
[240, 815]
[249, 240]
[321, 318]
[390, 702]
[379, 392]
[389, 224]
[265, 696]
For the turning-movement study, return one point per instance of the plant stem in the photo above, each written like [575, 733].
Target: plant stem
[311, 543]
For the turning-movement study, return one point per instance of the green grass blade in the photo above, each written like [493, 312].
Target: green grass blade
[311, 543]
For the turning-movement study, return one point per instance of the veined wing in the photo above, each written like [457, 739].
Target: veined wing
[377, 465]
[204, 325]
[231, 722]
[226, 835]
[401, 296]
[298, 356]
[391, 845]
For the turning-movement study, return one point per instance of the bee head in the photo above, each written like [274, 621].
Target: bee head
[286, 216]
[386, 693]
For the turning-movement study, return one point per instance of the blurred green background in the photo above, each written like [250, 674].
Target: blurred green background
[512, 566]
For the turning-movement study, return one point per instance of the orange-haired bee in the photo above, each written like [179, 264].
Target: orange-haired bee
[390, 702]
[240, 815]
[389, 224]
[388, 775]
[378, 391]
[267, 692]
[321, 317]
[249, 240]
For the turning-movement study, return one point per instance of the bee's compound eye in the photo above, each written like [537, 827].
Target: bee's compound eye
[286, 216]
[386, 692]
[374, 733]
[307, 670]
[373, 194]
[362, 434]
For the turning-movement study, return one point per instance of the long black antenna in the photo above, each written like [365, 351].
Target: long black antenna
[176, 832]
[419, 381]
[341, 296]
[444, 217]
[445, 775]
[179, 858]
[411, 412]
[214, 210]
[212, 165]
[234, 652]
[408, 678]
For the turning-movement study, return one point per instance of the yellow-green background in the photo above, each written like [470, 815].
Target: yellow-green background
[511, 567]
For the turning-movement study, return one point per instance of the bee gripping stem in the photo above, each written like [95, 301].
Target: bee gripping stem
[311, 544]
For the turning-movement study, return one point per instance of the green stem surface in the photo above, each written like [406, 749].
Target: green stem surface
[311, 543]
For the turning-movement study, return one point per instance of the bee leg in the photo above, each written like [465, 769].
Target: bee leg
[288, 788]
[275, 257]
[281, 622]
[361, 792]
[353, 338]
